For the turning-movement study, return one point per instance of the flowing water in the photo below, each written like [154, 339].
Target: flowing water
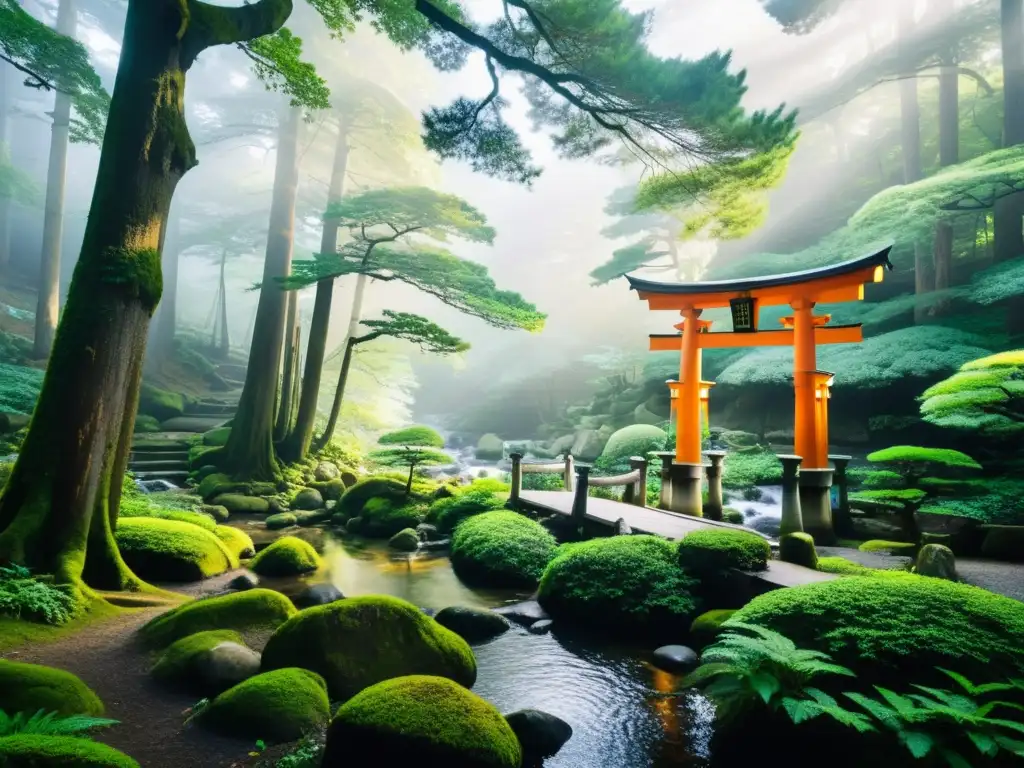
[609, 694]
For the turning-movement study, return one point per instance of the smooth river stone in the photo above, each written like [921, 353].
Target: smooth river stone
[675, 658]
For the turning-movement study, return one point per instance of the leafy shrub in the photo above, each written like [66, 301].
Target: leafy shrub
[307, 753]
[501, 549]
[486, 485]
[415, 435]
[447, 513]
[634, 440]
[709, 551]
[537, 481]
[45, 723]
[32, 599]
[742, 470]
[899, 627]
[629, 584]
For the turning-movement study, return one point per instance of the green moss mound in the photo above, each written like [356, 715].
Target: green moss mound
[170, 550]
[146, 423]
[355, 498]
[36, 751]
[634, 440]
[622, 584]
[31, 687]
[501, 549]
[406, 540]
[143, 509]
[288, 556]
[415, 435]
[902, 626]
[275, 706]
[723, 549]
[281, 520]
[843, 567]
[160, 404]
[176, 665]
[798, 548]
[241, 611]
[217, 437]
[708, 626]
[360, 641]
[236, 502]
[383, 518]
[446, 513]
[889, 547]
[908, 454]
[431, 718]
[238, 542]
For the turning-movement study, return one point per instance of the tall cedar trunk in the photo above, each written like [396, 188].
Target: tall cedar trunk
[949, 91]
[250, 447]
[943, 251]
[166, 316]
[1008, 214]
[59, 508]
[910, 113]
[924, 278]
[291, 327]
[48, 298]
[224, 343]
[5, 202]
[296, 446]
[339, 392]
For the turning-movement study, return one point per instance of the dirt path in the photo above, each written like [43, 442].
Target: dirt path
[108, 658]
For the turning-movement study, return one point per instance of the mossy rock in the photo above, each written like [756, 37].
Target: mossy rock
[237, 541]
[1004, 542]
[311, 516]
[132, 509]
[714, 550]
[38, 751]
[217, 512]
[798, 548]
[708, 626]
[888, 547]
[330, 490]
[145, 423]
[215, 484]
[235, 502]
[31, 687]
[252, 609]
[278, 706]
[406, 540]
[936, 561]
[180, 665]
[307, 499]
[217, 437]
[501, 549]
[490, 447]
[383, 518]
[429, 719]
[288, 556]
[448, 513]
[360, 641]
[354, 524]
[161, 404]
[474, 625]
[734, 516]
[355, 498]
[171, 551]
[280, 520]
[635, 440]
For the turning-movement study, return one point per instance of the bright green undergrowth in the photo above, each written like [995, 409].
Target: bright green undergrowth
[25, 597]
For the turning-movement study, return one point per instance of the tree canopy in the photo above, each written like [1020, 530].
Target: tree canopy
[415, 329]
[799, 17]
[985, 396]
[414, 435]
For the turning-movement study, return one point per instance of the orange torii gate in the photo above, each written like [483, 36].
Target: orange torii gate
[803, 330]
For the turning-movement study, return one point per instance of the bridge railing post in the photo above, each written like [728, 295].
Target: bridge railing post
[569, 472]
[579, 501]
[517, 478]
[639, 464]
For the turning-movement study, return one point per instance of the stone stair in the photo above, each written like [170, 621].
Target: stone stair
[160, 456]
[203, 415]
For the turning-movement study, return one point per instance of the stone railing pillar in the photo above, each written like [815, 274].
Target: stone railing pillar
[716, 501]
[665, 499]
[841, 520]
[792, 519]
[687, 480]
[569, 472]
[517, 478]
[579, 500]
[639, 464]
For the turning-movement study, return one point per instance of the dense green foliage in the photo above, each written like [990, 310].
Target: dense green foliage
[745, 469]
[355, 498]
[905, 457]
[716, 550]
[629, 584]
[501, 549]
[288, 556]
[360, 641]
[415, 435]
[985, 395]
[33, 599]
[432, 717]
[382, 518]
[43, 723]
[31, 687]
[447, 513]
[252, 609]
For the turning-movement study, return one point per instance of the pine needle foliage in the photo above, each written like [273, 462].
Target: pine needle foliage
[985, 396]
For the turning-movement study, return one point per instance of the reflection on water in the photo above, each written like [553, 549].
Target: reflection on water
[610, 696]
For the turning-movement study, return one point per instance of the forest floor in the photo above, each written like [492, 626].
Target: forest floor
[111, 661]
[993, 575]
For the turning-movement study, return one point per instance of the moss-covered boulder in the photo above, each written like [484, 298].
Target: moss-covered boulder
[474, 625]
[936, 561]
[236, 502]
[217, 437]
[708, 626]
[501, 549]
[429, 719]
[624, 584]
[634, 440]
[252, 609]
[276, 706]
[406, 540]
[288, 556]
[355, 498]
[142, 508]
[330, 490]
[207, 663]
[898, 629]
[31, 687]
[311, 516]
[280, 520]
[490, 447]
[145, 423]
[217, 512]
[798, 548]
[38, 751]
[448, 511]
[326, 471]
[171, 551]
[360, 641]
[238, 542]
[160, 404]
[713, 550]
[383, 518]
[307, 498]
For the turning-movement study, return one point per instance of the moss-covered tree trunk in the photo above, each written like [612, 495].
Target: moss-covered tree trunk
[250, 448]
[48, 287]
[290, 356]
[166, 317]
[350, 337]
[296, 446]
[59, 508]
